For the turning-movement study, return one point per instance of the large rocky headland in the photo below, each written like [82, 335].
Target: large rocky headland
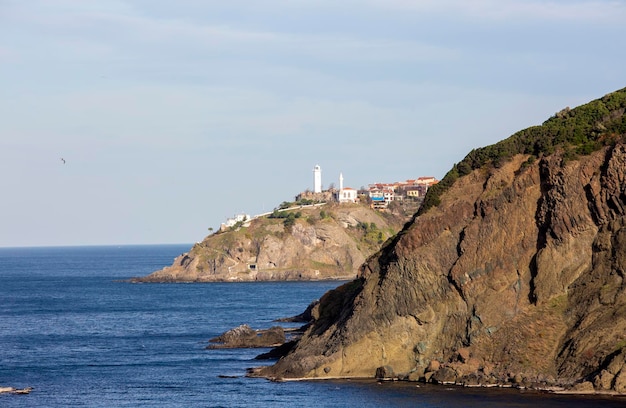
[512, 271]
[314, 242]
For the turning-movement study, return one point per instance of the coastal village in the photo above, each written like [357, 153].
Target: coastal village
[378, 195]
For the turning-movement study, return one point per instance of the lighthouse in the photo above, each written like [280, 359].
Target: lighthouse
[317, 179]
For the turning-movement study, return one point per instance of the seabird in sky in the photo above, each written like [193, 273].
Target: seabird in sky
[63, 160]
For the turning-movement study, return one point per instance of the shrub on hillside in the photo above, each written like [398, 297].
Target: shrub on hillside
[579, 131]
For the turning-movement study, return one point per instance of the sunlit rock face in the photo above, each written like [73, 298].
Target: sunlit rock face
[516, 276]
[322, 243]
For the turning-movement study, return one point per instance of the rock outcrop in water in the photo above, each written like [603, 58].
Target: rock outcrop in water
[11, 390]
[246, 337]
[322, 242]
[511, 273]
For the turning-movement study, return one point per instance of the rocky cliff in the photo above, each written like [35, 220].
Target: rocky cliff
[513, 271]
[315, 243]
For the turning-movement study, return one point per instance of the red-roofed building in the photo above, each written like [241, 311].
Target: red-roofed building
[428, 181]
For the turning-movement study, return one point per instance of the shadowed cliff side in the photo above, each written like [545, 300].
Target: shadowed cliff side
[513, 271]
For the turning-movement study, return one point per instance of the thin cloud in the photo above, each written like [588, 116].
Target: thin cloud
[215, 37]
[575, 11]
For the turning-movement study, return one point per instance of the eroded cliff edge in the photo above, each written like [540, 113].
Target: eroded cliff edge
[515, 273]
[323, 242]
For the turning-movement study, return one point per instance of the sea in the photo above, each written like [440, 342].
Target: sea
[74, 328]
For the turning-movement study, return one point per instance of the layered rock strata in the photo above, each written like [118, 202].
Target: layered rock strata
[517, 277]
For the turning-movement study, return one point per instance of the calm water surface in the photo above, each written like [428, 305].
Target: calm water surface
[73, 330]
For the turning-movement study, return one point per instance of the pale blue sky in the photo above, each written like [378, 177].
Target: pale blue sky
[173, 115]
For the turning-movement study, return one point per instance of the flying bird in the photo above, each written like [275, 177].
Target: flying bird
[63, 160]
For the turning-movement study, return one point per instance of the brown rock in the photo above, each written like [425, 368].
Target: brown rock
[265, 250]
[584, 387]
[603, 381]
[522, 261]
[433, 365]
[384, 373]
[445, 375]
[416, 375]
[472, 380]
[464, 355]
[236, 335]
[619, 384]
[245, 337]
[617, 363]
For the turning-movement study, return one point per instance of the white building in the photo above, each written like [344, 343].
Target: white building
[347, 194]
[317, 179]
[231, 222]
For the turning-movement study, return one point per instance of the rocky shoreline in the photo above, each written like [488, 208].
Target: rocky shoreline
[448, 375]
[580, 389]
[463, 370]
[458, 374]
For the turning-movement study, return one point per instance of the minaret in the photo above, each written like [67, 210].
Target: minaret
[340, 182]
[317, 179]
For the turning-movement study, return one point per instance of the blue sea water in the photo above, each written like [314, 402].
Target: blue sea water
[76, 331]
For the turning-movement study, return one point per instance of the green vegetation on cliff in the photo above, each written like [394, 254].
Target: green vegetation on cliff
[295, 242]
[578, 131]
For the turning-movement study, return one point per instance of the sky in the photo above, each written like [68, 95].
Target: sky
[173, 115]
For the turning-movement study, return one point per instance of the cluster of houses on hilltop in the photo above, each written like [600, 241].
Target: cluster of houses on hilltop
[379, 195]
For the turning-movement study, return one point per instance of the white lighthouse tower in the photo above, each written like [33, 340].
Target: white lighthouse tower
[317, 179]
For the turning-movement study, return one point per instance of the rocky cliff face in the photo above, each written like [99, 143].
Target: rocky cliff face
[517, 275]
[327, 242]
